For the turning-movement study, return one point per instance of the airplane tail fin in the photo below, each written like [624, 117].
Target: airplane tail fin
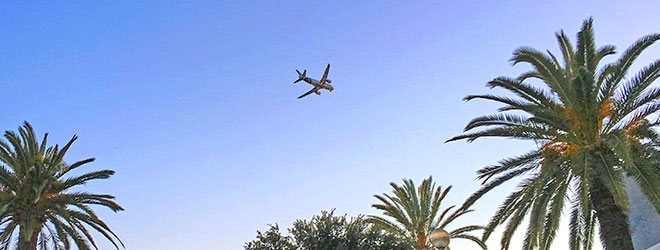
[300, 76]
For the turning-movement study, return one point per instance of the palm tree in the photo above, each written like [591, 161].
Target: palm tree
[592, 128]
[414, 211]
[37, 201]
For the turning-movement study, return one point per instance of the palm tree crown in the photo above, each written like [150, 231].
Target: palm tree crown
[416, 213]
[36, 198]
[593, 129]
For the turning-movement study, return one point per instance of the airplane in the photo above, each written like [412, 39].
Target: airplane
[318, 84]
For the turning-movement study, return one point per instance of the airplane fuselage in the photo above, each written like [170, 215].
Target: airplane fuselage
[317, 84]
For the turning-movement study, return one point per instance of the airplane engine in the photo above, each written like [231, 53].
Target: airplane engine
[317, 92]
[328, 80]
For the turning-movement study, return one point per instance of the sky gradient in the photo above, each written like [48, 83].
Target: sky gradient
[193, 103]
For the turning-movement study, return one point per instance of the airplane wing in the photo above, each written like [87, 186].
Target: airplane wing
[325, 75]
[308, 92]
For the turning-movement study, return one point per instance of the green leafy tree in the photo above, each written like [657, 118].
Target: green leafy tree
[592, 125]
[329, 232]
[271, 240]
[416, 213]
[326, 231]
[36, 198]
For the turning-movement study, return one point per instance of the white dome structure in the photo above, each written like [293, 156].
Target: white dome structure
[644, 220]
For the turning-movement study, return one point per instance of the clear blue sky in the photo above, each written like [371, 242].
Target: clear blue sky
[193, 103]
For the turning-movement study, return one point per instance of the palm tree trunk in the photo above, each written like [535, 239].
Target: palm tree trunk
[421, 240]
[27, 244]
[614, 228]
